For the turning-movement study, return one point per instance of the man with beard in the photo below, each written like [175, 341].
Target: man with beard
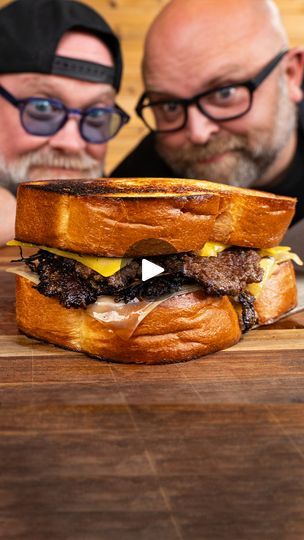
[222, 95]
[60, 70]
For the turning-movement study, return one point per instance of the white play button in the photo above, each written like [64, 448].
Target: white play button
[149, 269]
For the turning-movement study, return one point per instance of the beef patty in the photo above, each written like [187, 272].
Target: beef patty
[76, 285]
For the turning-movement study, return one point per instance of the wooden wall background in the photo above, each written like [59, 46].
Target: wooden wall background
[130, 19]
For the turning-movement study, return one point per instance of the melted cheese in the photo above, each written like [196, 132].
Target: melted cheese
[123, 319]
[211, 249]
[120, 318]
[281, 254]
[270, 257]
[106, 266]
[268, 264]
[25, 272]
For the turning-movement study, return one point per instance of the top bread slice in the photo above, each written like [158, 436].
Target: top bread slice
[106, 216]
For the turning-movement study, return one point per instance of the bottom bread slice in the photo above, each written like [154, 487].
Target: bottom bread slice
[182, 328]
[279, 294]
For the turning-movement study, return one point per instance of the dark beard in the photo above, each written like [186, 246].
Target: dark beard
[246, 170]
[248, 162]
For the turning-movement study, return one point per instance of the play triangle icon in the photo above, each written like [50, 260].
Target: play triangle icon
[150, 269]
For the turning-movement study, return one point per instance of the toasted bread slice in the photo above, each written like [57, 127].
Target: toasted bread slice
[181, 328]
[278, 296]
[106, 216]
[102, 217]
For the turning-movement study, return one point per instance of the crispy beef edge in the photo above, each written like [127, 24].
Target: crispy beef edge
[76, 286]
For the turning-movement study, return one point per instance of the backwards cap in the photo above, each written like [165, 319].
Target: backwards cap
[30, 31]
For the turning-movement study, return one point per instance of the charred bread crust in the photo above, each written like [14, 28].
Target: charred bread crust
[181, 328]
[106, 216]
[113, 187]
[103, 225]
[279, 294]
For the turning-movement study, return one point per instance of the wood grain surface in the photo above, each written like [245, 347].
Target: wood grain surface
[130, 20]
[208, 449]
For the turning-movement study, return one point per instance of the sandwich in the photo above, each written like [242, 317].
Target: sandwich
[82, 287]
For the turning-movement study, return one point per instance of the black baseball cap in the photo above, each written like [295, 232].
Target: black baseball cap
[31, 29]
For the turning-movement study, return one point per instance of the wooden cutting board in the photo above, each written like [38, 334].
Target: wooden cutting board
[286, 334]
[211, 449]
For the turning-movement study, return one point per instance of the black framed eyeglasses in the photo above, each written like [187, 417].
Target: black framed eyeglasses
[45, 116]
[219, 104]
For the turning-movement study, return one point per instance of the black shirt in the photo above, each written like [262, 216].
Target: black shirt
[145, 161]
[292, 183]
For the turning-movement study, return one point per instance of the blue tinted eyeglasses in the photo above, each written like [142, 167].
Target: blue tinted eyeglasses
[44, 117]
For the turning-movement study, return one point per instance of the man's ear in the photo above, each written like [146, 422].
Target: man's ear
[294, 71]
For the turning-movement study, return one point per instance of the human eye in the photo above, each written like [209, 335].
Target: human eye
[168, 111]
[226, 96]
[97, 117]
[41, 109]
[227, 93]
[171, 107]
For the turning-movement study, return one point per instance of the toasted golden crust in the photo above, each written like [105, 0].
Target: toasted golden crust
[179, 329]
[279, 294]
[246, 217]
[252, 221]
[108, 224]
[107, 216]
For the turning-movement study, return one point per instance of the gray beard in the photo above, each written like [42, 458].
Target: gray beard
[249, 160]
[14, 172]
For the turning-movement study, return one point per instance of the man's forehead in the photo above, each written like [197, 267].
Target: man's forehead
[211, 15]
[211, 45]
[84, 46]
[38, 84]
[210, 29]
[198, 57]
[204, 72]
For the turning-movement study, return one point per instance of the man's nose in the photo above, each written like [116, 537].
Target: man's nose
[199, 127]
[68, 138]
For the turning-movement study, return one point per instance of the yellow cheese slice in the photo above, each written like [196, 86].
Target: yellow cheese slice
[106, 266]
[268, 264]
[211, 249]
[281, 254]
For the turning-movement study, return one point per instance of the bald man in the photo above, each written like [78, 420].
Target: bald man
[222, 98]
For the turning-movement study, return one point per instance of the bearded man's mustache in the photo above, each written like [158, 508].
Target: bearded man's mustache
[17, 171]
[195, 152]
